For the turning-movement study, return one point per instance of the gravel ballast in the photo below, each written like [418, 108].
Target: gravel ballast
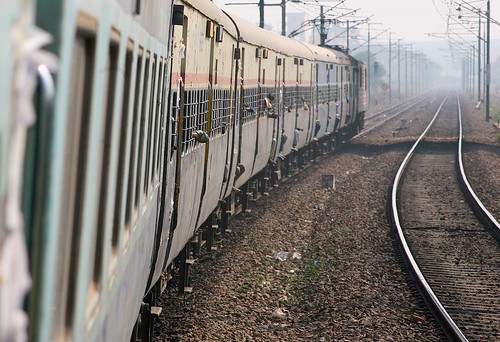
[340, 278]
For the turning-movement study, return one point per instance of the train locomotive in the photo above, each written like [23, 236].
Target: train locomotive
[133, 132]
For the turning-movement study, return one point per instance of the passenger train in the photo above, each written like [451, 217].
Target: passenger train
[132, 131]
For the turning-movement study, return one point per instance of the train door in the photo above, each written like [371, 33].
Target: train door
[310, 98]
[296, 101]
[330, 111]
[354, 92]
[283, 96]
[177, 108]
[208, 128]
[233, 121]
[341, 96]
[316, 96]
[239, 104]
[279, 107]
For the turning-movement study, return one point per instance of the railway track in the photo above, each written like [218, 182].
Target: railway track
[377, 119]
[452, 256]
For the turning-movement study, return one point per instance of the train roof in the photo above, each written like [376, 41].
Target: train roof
[328, 54]
[288, 46]
[211, 11]
[254, 35]
[257, 36]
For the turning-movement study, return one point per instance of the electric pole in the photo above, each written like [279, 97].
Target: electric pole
[488, 66]
[322, 30]
[390, 60]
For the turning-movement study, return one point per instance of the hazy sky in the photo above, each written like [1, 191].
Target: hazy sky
[408, 19]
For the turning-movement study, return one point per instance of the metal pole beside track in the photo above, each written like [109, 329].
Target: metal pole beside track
[261, 13]
[283, 17]
[390, 58]
[488, 66]
[369, 69]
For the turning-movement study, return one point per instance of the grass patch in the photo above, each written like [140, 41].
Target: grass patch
[243, 288]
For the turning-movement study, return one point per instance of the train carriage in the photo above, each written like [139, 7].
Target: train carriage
[267, 70]
[203, 98]
[323, 99]
[147, 136]
[94, 170]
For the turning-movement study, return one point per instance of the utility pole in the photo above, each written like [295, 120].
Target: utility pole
[473, 71]
[484, 62]
[369, 69]
[411, 70]
[322, 30]
[479, 60]
[399, 69]
[261, 5]
[347, 35]
[283, 17]
[261, 13]
[488, 66]
[406, 72]
[390, 60]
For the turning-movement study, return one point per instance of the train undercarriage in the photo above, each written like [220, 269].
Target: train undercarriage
[177, 276]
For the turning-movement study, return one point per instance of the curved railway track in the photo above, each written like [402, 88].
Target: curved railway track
[454, 260]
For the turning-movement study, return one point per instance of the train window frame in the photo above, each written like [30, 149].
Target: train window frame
[131, 213]
[160, 113]
[142, 129]
[174, 121]
[121, 184]
[150, 124]
[88, 42]
[250, 104]
[106, 137]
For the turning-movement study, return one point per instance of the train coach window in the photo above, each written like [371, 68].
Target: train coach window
[187, 119]
[173, 119]
[106, 136]
[142, 130]
[150, 123]
[289, 97]
[323, 94]
[250, 104]
[133, 148]
[120, 184]
[160, 115]
[202, 115]
[76, 157]
[220, 112]
[195, 116]
[217, 113]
